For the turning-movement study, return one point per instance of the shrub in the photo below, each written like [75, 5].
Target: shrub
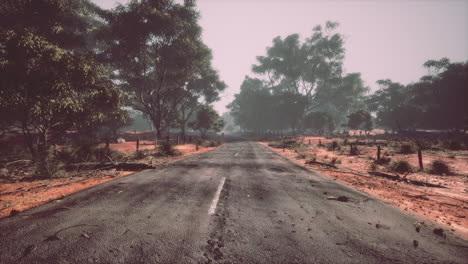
[454, 145]
[167, 149]
[373, 166]
[353, 151]
[75, 154]
[407, 149]
[334, 161]
[383, 161]
[439, 167]
[284, 144]
[275, 144]
[401, 166]
[301, 156]
[140, 154]
[210, 143]
[333, 146]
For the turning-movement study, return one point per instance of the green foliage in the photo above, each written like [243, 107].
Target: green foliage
[207, 118]
[161, 60]
[48, 84]
[401, 166]
[361, 120]
[296, 78]
[319, 121]
[82, 153]
[440, 167]
[437, 101]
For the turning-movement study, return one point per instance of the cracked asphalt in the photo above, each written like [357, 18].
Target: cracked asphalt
[270, 210]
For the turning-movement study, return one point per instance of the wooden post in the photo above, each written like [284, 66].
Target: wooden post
[421, 167]
[107, 146]
[378, 153]
[309, 141]
[137, 145]
[320, 142]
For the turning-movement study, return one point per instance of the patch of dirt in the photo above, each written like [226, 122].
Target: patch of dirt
[447, 207]
[20, 192]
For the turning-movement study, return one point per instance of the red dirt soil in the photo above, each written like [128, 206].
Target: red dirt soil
[19, 193]
[447, 207]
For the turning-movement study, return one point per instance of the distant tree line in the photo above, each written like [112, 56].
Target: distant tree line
[301, 85]
[68, 65]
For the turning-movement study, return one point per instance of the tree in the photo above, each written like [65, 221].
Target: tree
[302, 67]
[47, 89]
[253, 107]
[319, 121]
[392, 106]
[207, 118]
[298, 77]
[441, 95]
[160, 59]
[360, 120]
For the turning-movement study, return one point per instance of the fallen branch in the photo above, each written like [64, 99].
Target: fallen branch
[320, 163]
[16, 161]
[113, 162]
[109, 166]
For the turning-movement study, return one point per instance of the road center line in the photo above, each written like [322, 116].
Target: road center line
[214, 203]
[237, 154]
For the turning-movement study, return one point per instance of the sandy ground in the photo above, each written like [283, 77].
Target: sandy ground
[447, 207]
[20, 193]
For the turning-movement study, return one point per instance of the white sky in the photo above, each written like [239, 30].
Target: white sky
[384, 39]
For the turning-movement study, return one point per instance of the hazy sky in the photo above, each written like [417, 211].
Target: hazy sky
[384, 39]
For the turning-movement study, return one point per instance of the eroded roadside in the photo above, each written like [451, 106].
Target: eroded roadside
[451, 213]
[21, 192]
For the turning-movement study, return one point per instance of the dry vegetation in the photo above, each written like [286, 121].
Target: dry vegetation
[438, 193]
[20, 188]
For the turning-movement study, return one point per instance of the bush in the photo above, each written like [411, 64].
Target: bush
[383, 161]
[401, 166]
[407, 149]
[334, 161]
[275, 144]
[167, 149]
[353, 151]
[75, 154]
[439, 167]
[373, 166]
[454, 145]
[333, 146]
[301, 156]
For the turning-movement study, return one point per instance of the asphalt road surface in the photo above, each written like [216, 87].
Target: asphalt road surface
[240, 203]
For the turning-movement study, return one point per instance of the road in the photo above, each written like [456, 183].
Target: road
[240, 203]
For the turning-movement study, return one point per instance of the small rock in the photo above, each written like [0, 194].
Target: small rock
[343, 199]
[14, 212]
[85, 235]
[439, 232]
[418, 229]
[415, 243]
